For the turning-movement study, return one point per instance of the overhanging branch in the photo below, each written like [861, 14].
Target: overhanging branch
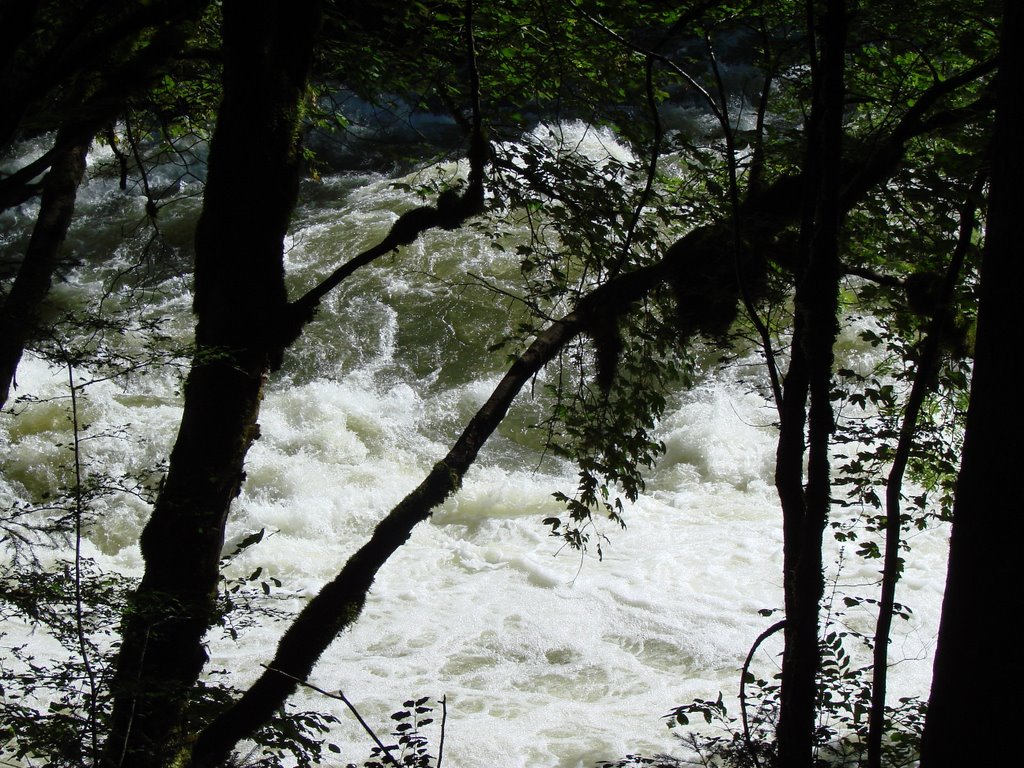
[450, 211]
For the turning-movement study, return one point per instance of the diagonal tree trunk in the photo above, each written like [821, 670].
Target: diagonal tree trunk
[339, 603]
[20, 310]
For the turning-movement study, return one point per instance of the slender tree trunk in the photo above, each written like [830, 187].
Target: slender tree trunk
[806, 399]
[976, 643]
[928, 363]
[20, 311]
[240, 303]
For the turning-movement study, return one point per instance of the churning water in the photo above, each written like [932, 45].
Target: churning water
[547, 658]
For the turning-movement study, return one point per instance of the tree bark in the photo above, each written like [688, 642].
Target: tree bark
[240, 303]
[983, 577]
[806, 403]
[20, 311]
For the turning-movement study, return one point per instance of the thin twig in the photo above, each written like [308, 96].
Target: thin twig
[151, 209]
[339, 696]
[757, 158]
[737, 239]
[652, 168]
[79, 618]
[743, 686]
[655, 55]
[444, 720]
[366, 726]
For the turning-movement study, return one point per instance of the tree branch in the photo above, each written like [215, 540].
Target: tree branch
[450, 212]
[340, 696]
[743, 686]
[690, 80]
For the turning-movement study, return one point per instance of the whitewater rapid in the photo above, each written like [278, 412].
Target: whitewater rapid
[548, 659]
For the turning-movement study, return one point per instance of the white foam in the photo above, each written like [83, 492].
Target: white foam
[548, 658]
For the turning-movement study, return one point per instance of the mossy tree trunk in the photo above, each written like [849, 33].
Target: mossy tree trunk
[241, 305]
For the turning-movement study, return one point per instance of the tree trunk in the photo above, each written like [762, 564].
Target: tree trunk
[809, 382]
[240, 303]
[928, 364]
[976, 642]
[20, 311]
[340, 601]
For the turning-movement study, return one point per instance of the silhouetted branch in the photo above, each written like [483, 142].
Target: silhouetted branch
[340, 696]
[743, 686]
[450, 211]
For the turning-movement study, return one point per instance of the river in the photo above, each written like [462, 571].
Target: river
[548, 659]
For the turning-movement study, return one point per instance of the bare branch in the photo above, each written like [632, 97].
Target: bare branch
[653, 55]
[743, 686]
[339, 696]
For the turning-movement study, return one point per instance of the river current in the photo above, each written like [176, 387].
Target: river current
[548, 659]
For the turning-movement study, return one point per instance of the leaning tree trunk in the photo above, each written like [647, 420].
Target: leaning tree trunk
[977, 648]
[240, 303]
[809, 381]
[20, 311]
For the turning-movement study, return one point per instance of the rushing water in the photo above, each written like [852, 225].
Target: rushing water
[547, 658]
